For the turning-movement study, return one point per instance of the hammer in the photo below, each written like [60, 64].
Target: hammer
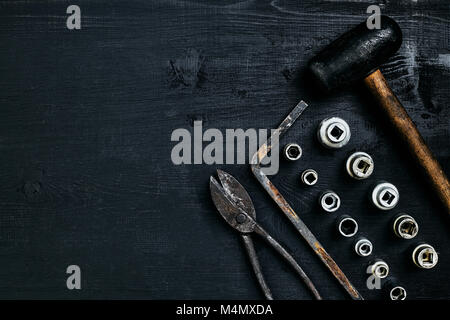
[356, 55]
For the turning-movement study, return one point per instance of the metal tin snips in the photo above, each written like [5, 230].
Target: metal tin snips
[236, 207]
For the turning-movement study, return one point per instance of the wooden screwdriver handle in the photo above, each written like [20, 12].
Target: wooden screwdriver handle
[377, 85]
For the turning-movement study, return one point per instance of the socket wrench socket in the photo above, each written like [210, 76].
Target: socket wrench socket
[385, 196]
[379, 268]
[309, 177]
[333, 133]
[363, 247]
[424, 256]
[292, 152]
[405, 226]
[393, 290]
[397, 293]
[359, 165]
[347, 226]
[329, 201]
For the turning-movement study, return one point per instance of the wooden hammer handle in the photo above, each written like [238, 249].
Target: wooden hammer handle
[377, 85]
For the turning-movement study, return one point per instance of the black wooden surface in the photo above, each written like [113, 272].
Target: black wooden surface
[85, 125]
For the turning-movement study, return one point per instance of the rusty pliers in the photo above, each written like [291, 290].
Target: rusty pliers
[236, 207]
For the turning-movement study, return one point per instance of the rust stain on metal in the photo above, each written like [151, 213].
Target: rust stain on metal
[261, 154]
[281, 201]
[334, 268]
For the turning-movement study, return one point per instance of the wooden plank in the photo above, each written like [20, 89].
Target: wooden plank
[85, 137]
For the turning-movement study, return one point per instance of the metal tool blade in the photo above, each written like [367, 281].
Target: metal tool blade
[234, 215]
[237, 193]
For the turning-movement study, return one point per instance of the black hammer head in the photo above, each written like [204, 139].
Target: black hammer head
[356, 54]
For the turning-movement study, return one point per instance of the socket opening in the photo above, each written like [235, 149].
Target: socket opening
[388, 197]
[365, 249]
[427, 257]
[336, 132]
[293, 152]
[329, 201]
[363, 166]
[311, 178]
[348, 227]
[408, 228]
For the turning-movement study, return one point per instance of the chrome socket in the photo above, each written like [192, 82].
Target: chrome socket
[359, 165]
[379, 269]
[292, 152]
[347, 226]
[393, 290]
[363, 247]
[397, 293]
[333, 133]
[385, 196]
[405, 226]
[330, 201]
[424, 256]
[309, 177]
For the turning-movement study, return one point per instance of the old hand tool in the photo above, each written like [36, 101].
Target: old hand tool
[236, 207]
[358, 54]
[258, 171]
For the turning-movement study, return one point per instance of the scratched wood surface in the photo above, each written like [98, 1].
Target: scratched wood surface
[86, 118]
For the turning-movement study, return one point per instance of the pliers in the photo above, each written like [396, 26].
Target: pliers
[236, 207]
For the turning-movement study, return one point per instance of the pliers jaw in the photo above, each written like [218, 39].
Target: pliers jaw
[226, 201]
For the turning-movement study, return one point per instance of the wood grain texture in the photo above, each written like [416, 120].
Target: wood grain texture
[85, 126]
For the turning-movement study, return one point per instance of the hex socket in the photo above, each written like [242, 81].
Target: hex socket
[309, 177]
[333, 133]
[329, 201]
[393, 290]
[292, 152]
[379, 268]
[425, 256]
[346, 226]
[359, 165]
[385, 195]
[363, 247]
[405, 226]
